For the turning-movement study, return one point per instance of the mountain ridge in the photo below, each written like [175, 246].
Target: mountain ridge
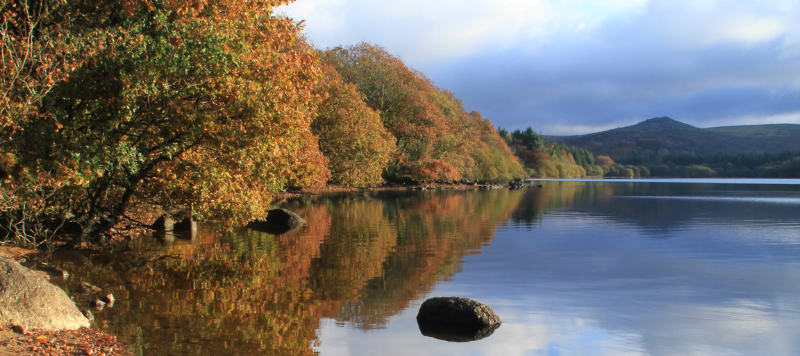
[663, 133]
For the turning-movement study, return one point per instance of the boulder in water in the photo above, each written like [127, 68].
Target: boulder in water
[278, 221]
[456, 311]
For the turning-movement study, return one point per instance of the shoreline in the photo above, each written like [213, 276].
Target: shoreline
[91, 341]
[395, 187]
[84, 341]
[15, 341]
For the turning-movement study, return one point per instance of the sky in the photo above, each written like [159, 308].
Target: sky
[567, 67]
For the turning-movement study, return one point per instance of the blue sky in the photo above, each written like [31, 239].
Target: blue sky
[579, 66]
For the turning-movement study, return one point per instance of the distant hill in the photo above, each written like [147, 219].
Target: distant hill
[670, 136]
[774, 131]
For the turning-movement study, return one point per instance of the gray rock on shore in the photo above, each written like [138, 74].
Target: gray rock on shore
[30, 301]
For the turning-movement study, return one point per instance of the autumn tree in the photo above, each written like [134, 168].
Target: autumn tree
[436, 138]
[494, 160]
[203, 107]
[402, 96]
[548, 159]
[36, 52]
[351, 134]
[604, 160]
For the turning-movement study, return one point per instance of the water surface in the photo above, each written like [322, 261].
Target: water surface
[572, 268]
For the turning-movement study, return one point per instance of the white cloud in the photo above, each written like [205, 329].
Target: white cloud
[703, 23]
[568, 66]
[421, 31]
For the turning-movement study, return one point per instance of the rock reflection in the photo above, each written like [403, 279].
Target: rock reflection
[454, 333]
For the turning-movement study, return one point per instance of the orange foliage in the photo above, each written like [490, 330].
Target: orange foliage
[603, 161]
[351, 134]
[400, 94]
[203, 106]
[436, 138]
[435, 169]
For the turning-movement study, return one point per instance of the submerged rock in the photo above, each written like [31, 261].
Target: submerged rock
[108, 299]
[31, 302]
[85, 287]
[97, 304]
[54, 272]
[278, 221]
[455, 311]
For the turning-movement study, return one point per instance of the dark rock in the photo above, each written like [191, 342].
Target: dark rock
[187, 224]
[19, 329]
[539, 186]
[455, 333]
[278, 221]
[28, 300]
[455, 311]
[163, 223]
[108, 299]
[85, 287]
[174, 222]
[516, 184]
[97, 304]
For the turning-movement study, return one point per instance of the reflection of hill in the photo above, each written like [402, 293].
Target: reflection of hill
[359, 260]
[661, 207]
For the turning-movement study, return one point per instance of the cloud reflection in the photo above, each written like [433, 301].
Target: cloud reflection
[576, 284]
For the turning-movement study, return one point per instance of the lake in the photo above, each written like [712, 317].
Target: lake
[585, 267]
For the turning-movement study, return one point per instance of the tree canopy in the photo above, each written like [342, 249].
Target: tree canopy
[202, 106]
[114, 113]
[436, 138]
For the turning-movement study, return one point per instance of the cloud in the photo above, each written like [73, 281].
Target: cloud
[568, 67]
[422, 31]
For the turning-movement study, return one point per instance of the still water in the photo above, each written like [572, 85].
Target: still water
[572, 268]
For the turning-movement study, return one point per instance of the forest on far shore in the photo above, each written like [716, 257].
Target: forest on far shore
[544, 159]
[663, 147]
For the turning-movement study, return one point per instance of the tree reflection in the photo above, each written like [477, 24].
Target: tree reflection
[359, 260]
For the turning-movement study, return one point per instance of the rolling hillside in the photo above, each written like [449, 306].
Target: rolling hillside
[666, 136]
[775, 131]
